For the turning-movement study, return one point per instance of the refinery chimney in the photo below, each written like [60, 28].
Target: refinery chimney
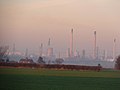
[94, 52]
[71, 43]
[50, 49]
[114, 48]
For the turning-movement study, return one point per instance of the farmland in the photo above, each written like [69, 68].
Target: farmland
[45, 79]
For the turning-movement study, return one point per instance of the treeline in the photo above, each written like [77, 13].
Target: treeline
[51, 66]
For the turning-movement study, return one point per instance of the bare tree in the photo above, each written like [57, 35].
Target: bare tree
[3, 51]
[117, 63]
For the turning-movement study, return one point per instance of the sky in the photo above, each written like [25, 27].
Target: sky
[28, 23]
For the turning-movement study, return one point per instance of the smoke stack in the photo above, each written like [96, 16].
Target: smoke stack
[94, 45]
[114, 48]
[50, 49]
[71, 44]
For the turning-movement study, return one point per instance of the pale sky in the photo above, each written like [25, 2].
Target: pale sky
[28, 23]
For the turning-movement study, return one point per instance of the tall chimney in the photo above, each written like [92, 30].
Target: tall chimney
[114, 48]
[94, 54]
[71, 43]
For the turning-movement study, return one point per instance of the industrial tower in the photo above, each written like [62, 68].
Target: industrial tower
[71, 43]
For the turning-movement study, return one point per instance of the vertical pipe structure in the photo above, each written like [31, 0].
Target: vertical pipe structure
[97, 52]
[48, 47]
[83, 54]
[71, 43]
[68, 53]
[26, 53]
[104, 55]
[59, 55]
[94, 45]
[41, 49]
[114, 49]
[49, 42]
[14, 49]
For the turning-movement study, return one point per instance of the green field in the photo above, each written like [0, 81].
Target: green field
[44, 79]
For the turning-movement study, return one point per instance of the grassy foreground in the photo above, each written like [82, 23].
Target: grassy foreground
[43, 79]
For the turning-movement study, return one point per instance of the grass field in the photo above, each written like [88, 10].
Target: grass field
[44, 79]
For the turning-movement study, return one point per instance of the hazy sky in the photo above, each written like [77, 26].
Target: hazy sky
[31, 22]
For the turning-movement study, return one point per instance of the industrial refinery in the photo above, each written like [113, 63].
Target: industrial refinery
[72, 57]
[77, 59]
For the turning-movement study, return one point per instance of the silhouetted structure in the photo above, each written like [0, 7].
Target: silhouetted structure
[40, 60]
[26, 61]
[3, 53]
[59, 61]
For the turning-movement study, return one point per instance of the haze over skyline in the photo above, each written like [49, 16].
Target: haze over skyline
[28, 23]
